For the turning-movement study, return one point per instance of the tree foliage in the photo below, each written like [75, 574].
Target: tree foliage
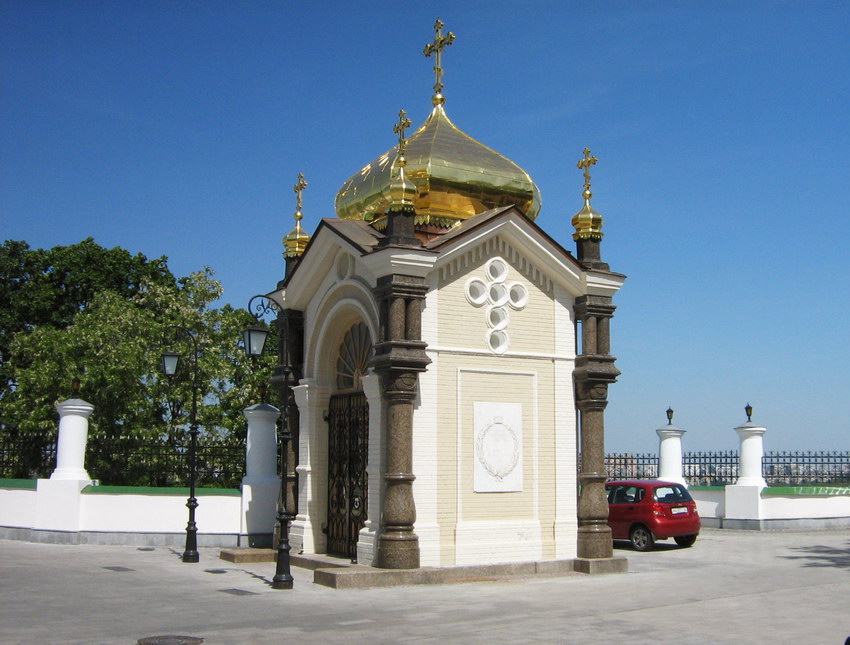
[116, 320]
[48, 288]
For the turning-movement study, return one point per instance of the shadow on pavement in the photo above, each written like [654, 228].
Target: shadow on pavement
[625, 545]
[822, 556]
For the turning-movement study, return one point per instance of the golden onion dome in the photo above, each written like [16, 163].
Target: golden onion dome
[296, 240]
[455, 176]
[587, 222]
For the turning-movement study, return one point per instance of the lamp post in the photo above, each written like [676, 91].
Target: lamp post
[254, 339]
[170, 364]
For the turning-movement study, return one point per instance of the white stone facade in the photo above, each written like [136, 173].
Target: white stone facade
[499, 325]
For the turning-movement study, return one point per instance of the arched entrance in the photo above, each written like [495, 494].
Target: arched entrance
[348, 444]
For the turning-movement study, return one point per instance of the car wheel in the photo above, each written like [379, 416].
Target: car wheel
[642, 539]
[685, 540]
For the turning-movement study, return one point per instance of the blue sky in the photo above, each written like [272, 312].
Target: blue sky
[179, 128]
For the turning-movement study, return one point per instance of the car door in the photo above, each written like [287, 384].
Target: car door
[630, 509]
[616, 508]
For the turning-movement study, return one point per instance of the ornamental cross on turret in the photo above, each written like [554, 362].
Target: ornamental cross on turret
[299, 188]
[585, 164]
[437, 47]
[399, 128]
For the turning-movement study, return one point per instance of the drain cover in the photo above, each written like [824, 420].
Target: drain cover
[170, 640]
[215, 570]
[117, 568]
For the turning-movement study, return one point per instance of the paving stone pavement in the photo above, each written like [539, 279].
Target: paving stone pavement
[731, 587]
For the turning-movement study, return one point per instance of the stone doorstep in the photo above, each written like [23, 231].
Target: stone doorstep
[311, 562]
[338, 573]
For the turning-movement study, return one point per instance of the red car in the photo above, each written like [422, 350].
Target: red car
[646, 510]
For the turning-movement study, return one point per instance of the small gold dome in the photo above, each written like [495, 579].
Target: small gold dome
[587, 222]
[295, 241]
[456, 177]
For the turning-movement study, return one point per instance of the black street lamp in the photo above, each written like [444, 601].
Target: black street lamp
[170, 363]
[254, 339]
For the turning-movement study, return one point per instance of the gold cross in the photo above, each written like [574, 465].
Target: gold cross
[585, 164]
[399, 128]
[299, 188]
[437, 47]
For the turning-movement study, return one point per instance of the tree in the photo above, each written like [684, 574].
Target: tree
[113, 344]
[41, 288]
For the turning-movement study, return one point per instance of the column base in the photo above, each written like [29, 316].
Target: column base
[397, 552]
[598, 566]
[595, 542]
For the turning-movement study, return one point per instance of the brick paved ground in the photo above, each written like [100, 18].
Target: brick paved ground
[731, 587]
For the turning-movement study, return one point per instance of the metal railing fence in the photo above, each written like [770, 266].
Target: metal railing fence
[221, 463]
[122, 461]
[800, 468]
[719, 468]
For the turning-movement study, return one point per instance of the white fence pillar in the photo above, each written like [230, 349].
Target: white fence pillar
[750, 455]
[261, 443]
[670, 454]
[261, 484]
[73, 434]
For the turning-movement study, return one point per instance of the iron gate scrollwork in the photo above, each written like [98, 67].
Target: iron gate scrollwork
[348, 450]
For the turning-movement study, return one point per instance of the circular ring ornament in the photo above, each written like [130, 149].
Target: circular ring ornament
[497, 270]
[476, 291]
[498, 449]
[497, 318]
[497, 341]
[344, 265]
[497, 294]
[517, 295]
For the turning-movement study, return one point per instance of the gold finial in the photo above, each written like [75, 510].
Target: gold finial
[399, 128]
[296, 240]
[587, 222]
[585, 164]
[402, 192]
[299, 188]
[437, 47]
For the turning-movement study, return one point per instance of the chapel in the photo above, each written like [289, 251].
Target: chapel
[448, 360]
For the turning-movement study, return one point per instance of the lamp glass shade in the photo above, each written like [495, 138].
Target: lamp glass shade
[670, 415]
[255, 340]
[169, 363]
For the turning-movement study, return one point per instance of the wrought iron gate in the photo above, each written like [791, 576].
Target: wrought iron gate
[348, 450]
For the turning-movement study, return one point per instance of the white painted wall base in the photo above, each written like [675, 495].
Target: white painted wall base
[743, 502]
[755, 508]
[493, 542]
[566, 539]
[73, 512]
[59, 504]
[366, 541]
[259, 506]
[429, 544]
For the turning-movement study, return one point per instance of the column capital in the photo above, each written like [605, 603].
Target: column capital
[76, 407]
[595, 368]
[260, 410]
[669, 432]
[399, 285]
[750, 430]
[592, 305]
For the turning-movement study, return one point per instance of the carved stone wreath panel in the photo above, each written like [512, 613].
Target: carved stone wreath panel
[498, 447]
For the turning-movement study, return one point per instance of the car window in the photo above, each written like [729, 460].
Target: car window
[624, 494]
[671, 494]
